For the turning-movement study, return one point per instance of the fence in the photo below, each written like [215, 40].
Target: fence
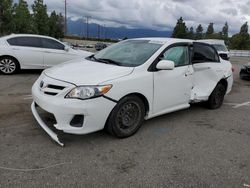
[240, 53]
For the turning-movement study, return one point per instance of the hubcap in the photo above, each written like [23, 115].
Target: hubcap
[7, 66]
[129, 116]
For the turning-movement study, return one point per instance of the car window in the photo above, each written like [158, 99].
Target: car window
[204, 53]
[25, 41]
[130, 53]
[220, 47]
[179, 55]
[52, 44]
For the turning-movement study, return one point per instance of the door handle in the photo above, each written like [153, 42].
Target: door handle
[15, 49]
[188, 73]
[47, 52]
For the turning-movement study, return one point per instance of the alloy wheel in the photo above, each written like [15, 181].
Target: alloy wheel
[7, 66]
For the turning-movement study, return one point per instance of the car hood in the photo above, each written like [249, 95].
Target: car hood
[85, 72]
[223, 52]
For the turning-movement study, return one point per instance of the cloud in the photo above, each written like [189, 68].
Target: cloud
[157, 14]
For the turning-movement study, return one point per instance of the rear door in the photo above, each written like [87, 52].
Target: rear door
[28, 51]
[208, 70]
[55, 53]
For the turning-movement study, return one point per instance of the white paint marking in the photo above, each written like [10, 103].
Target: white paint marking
[243, 104]
[238, 105]
[246, 185]
[27, 98]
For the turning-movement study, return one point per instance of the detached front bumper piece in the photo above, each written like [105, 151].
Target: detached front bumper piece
[52, 134]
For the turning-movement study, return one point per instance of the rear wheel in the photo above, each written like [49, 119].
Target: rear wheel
[127, 117]
[217, 97]
[9, 65]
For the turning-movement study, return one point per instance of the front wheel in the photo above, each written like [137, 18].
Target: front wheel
[9, 65]
[217, 97]
[127, 117]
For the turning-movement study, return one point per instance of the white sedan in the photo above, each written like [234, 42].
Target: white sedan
[34, 52]
[126, 83]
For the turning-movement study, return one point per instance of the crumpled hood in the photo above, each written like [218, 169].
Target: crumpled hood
[85, 72]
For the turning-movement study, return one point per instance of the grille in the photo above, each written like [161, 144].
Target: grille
[46, 117]
[50, 89]
[56, 87]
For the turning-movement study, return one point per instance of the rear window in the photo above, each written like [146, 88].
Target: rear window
[25, 41]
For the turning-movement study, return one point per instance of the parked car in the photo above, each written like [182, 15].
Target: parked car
[100, 46]
[34, 52]
[128, 82]
[245, 72]
[219, 46]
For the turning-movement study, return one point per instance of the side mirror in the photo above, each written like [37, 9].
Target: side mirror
[165, 65]
[66, 48]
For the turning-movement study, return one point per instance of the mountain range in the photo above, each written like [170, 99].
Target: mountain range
[78, 28]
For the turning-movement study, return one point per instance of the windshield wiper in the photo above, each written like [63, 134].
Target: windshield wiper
[108, 61]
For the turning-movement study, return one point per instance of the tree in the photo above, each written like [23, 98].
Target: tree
[240, 41]
[56, 25]
[22, 18]
[40, 17]
[191, 33]
[225, 31]
[180, 30]
[199, 32]
[210, 30]
[6, 18]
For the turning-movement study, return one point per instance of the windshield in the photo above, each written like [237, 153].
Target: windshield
[130, 53]
[220, 47]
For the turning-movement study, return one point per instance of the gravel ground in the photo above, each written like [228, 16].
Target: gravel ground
[196, 147]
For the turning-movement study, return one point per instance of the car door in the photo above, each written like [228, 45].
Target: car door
[28, 51]
[208, 70]
[55, 52]
[172, 88]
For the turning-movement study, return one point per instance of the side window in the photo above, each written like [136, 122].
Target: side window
[179, 55]
[25, 41]
[52, 44]
[204, 53]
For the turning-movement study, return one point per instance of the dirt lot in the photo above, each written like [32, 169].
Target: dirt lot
[196, 147]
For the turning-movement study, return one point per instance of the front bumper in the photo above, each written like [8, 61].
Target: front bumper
[245, 73]
[52, 134]
[95, 111]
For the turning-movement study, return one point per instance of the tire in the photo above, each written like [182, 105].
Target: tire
[217, 97]
[126, 118]
[9, 65]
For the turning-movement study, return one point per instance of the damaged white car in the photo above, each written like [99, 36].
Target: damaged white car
[129, 82]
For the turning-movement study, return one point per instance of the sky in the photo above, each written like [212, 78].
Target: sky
[157, 14]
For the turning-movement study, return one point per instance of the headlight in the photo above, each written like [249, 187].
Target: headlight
[87, 92]
[243, 67]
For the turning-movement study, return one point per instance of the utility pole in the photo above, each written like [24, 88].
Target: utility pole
[65, 17]
[98, 31]
[104, 31]
[87, 22]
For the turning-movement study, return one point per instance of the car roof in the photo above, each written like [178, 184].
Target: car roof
[25, 35]
[163, 40]
[212, 41]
